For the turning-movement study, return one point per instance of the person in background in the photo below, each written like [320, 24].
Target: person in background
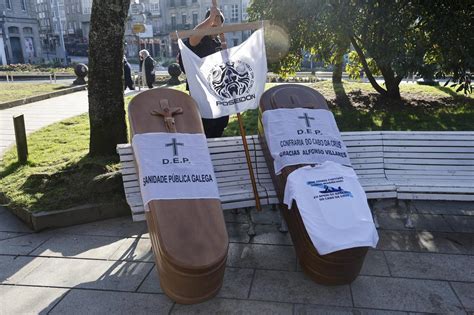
[127, 73]
[204, 46]
[147, 67]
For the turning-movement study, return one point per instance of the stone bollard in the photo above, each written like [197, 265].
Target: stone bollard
[174, 70]
[81, 71]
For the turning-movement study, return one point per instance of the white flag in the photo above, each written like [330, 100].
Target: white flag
[229, 81]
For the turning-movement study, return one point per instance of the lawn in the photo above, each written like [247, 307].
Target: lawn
[15, 91]
[357, 107]
[60, 174]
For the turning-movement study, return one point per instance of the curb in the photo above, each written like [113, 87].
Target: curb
[77, 215]
[42, 97]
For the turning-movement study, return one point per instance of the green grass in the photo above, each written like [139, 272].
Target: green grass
[16, 91]
[60, 174]
[357, 107]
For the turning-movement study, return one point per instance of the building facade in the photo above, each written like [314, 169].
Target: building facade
[52, 21]
[51, 30]
[19, 33]
[166, 16]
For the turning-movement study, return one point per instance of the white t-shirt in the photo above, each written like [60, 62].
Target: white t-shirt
[333, 207]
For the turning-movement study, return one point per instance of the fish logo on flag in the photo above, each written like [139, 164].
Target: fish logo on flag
[229, 81]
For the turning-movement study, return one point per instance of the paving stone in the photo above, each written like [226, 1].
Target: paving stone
[122, 227]
[238, 232]
[444, 207]
[100, 302]
[237, 216]
[266, 216]
[7, 235]
[230, 306]
[236, 283]
[10, 266]
[307, 309]
[431, 266]
[424, 241]
[82, 273]
[134, 249]
[295, 287]
[464, 224]
[386, 205]
[404, 295]
[79, 246]
[393, 221]
[261, 256]
[269, 234]
[375, 264]
[151, 283]
[10, 223]
[34, 300]
[25, 244]
[465, 292]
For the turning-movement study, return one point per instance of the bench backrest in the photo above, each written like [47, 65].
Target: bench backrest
[230, 166]
[428, 155]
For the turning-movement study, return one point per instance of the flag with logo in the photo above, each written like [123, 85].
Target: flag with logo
[229, 81]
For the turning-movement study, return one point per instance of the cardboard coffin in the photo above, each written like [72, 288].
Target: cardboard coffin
[336, 268]
[189, 236]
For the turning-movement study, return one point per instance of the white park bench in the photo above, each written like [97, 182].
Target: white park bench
[230, 167]
[430, 165]
[390, 164]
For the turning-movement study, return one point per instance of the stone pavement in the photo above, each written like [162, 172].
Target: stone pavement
[108, 267]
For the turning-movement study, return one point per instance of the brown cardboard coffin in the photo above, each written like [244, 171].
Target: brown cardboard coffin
[336, 268]
[189, 236]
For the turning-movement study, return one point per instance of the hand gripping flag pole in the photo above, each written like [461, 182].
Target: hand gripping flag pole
[220, 31]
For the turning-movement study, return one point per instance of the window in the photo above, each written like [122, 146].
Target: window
[234, 13]
[9, 4]
[183, 3]
[23, 5]
[27, 31]
[155, 7]
[13, 30]
[183, 19]
[195, 18]
[173, 22]
[172, 4]
[235, 41]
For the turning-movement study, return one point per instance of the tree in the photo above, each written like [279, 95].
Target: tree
[106, 100]
[447, 25]
[394, 34]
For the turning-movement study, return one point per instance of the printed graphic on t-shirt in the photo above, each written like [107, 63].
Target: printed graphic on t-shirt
[330, 189]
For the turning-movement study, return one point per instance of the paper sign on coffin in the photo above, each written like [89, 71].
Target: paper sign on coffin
[229, 81]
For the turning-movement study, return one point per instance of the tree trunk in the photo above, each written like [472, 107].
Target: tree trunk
[106, 102]
[391, 82]
[338, 63]
[368, 73]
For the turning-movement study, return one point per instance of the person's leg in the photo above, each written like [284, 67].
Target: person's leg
[214, 128]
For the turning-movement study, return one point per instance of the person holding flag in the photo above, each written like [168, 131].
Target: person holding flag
[204, 46]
